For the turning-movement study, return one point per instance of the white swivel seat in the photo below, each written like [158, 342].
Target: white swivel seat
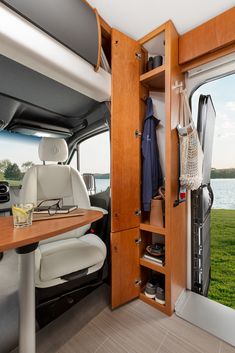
[72, 251]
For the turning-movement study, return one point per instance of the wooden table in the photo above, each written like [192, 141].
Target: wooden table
[25, 241]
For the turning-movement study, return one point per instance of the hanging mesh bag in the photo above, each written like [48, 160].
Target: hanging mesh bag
[191, 155]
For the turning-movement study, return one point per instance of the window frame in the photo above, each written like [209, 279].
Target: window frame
[74, 150]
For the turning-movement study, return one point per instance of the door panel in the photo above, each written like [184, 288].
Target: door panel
[202, 200]
[125, 120]
[125, 266]
[205, 127]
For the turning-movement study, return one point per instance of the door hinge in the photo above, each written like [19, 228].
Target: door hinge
[138, 133]
[138, 241]
[137, 212]
[138, 56]
[137, 282]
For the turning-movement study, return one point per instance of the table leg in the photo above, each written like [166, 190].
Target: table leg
[27, 331]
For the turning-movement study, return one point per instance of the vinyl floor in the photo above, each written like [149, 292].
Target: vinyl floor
[91, 327]
[138, 328]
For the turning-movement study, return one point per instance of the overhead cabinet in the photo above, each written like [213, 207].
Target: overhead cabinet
[71, 22]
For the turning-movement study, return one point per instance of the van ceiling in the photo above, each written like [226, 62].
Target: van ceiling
[138, 17]
[29, 99]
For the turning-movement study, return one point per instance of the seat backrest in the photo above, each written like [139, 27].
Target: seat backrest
[42, 182]
[50, 181]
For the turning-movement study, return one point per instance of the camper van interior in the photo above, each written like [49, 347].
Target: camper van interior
[117, 201]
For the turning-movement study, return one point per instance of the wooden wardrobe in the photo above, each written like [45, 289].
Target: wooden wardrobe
[131, 231]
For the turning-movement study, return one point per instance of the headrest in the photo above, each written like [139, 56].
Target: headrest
[53, 150]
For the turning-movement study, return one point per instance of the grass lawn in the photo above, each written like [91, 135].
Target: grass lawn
[13, 182]
[222, 288]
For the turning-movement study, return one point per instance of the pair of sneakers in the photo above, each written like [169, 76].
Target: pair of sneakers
[155, 291]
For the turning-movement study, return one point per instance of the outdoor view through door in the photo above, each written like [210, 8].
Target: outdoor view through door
[216, 267]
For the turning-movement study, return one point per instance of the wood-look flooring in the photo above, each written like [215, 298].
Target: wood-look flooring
[138, 328]
[91, 327]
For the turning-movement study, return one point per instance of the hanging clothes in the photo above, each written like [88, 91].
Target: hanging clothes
[151, 169]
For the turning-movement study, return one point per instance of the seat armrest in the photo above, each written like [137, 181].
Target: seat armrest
[94, 208]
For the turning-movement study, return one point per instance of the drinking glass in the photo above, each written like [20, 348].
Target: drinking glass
[22, 215]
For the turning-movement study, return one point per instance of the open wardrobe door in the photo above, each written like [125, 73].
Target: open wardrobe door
[125, 168]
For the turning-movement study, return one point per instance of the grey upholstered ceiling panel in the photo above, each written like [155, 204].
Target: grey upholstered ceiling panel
[71, 22]
[29, 100]
[24, 84]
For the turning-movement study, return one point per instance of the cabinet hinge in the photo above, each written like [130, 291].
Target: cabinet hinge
[138, 241]
[137, 212]
[138, 133]
[138, 56]
[137, 282]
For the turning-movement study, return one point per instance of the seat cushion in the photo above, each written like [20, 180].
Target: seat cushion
[70, 255]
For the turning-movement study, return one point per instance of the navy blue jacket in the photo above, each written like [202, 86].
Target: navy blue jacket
[151, 168]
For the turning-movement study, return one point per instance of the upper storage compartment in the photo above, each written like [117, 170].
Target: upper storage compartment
[153, 49]
[71, 22]
[48, 86]
[26, 44]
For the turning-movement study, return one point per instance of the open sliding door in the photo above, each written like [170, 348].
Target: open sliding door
[202, 200]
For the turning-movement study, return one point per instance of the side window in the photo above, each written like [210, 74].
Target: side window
[94, 160]
[17, 154]
[74, 160]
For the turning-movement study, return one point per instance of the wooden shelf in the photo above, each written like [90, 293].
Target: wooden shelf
[154, 79]
[153, 303]
[152, 265]
[150, 228]
[160, 80]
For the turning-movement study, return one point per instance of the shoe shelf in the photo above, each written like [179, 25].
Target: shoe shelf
[152, 265]
[151, 228]
[154, 80]
[152, 302]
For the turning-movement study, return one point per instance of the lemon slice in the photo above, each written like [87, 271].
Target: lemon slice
[28, 207]
[19, 211]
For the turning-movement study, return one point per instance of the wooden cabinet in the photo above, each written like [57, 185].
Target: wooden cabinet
[130, 85]
[125, 266]
[125, 143]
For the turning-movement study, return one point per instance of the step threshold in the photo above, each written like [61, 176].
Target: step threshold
[215, 318]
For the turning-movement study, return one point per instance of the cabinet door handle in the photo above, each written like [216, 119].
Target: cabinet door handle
[137, 212]
[138, 133]
[137, 282]
[138, 241]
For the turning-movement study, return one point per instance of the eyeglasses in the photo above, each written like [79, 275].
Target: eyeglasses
[50, 205]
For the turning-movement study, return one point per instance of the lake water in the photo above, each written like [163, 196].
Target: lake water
[224, 191]
[102, 184]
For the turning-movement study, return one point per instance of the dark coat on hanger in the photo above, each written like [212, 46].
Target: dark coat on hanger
[151, 168]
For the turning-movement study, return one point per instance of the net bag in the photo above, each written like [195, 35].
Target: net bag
[191, 155]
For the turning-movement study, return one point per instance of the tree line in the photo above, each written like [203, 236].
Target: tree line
[11, 171]
[228, 173]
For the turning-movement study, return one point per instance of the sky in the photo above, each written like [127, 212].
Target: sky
[95, 152]
[19, 148]
[222, 92]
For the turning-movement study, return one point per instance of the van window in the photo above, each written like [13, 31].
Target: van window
[74, 160]
[94, 158]
[17, 154]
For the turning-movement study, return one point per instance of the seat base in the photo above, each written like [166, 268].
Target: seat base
[44, 295]
[56, 259]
